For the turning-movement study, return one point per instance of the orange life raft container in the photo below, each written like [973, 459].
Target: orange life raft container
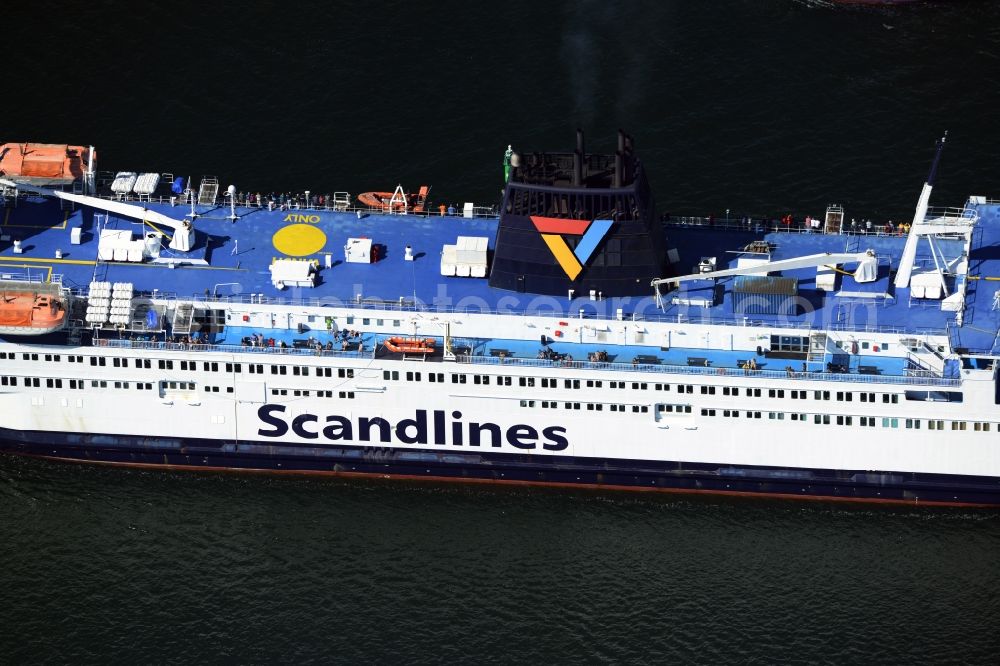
[400, 345]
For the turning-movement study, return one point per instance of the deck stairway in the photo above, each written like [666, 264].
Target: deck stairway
[208, 190]
[183, 319]
[817, 347]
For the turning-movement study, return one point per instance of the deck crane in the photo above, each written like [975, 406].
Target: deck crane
[183, 230]
[867, 270]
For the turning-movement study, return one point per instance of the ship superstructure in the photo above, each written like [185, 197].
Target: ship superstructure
[572, 338]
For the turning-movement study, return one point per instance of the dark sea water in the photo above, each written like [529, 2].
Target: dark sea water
[759, 106]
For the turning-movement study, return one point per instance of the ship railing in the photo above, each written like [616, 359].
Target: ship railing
[201, 300]
[231, 349]
[915, 379]
[39, 278]
[772, 225]
[968, 214]
[244, 206]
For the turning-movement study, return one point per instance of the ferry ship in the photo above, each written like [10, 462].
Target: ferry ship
[568, 337]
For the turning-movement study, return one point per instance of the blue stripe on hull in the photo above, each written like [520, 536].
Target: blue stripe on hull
[482, 465]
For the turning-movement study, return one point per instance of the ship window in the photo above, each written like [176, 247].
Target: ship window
[527, 403]
[526, 381]
[366, 321]
[707, 390]
[34, 357]
[164, 364]
[346, 373]
[958, 425]
[890, 423]
[397, 323]
[415, 377]
[913, 424]
[390, 374]
[460, 379]
[823, 419]
[642, 386]
[98, 383]
[844, 420]
[890, 398]
[776, 416]
[821, 395]
[979, 426]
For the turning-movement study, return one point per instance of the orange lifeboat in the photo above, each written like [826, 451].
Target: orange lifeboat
[397, 201]
[401, 345]
[30, 313]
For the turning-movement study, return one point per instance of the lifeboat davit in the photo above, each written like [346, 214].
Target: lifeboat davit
[397, 201]
[400, 345]
[30, 313]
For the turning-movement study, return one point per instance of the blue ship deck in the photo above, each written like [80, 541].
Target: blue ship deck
[238, 254]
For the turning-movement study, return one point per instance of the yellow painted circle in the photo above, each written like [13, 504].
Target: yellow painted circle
[299, 240]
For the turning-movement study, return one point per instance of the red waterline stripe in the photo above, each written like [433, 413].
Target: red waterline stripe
[517, 482]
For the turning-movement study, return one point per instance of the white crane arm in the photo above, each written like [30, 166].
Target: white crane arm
[808, 261]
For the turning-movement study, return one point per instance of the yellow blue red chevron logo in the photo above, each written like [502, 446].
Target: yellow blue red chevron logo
[555, 229]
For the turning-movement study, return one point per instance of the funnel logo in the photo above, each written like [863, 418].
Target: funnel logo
[554, 230]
